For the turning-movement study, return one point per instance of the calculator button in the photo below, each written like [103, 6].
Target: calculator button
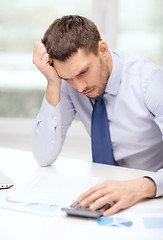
[74, 205]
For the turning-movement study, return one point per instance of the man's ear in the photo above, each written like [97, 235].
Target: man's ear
[103, 49]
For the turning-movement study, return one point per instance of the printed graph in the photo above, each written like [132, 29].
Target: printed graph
[115, 222]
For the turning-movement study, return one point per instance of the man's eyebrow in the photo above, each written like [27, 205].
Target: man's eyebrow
[62, 77]
[81, 71]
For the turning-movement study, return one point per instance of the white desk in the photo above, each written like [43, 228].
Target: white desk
[15, 225]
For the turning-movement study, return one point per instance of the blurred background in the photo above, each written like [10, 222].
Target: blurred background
[135, 27]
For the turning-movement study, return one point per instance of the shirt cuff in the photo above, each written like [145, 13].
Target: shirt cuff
[157, 177]
[49, 114]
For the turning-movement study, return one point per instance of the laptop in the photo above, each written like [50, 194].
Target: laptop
[5, 181]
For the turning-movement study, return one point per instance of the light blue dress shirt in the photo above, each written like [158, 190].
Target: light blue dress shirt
[134, 103]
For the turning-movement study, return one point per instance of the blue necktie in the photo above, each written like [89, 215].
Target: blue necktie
[100, 134]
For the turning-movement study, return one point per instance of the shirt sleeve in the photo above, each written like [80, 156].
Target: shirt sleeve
[158, 179]
[154, 103]
[50, 129]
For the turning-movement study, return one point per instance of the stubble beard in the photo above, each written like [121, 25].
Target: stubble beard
[101, 90]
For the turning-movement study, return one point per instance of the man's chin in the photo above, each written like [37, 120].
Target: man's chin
[94, 96]
[93, 93]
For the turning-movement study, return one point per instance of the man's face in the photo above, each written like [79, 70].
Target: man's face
[87, 73]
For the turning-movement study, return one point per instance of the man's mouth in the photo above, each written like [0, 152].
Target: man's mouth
[88, 92]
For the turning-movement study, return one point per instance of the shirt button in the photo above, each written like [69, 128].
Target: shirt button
[113, 145]
[52, 141]
[54, 118]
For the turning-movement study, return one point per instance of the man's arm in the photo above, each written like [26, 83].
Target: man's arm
[47, 134]
[154, 102]
[53, 119]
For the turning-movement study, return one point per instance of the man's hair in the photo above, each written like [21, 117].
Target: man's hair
[69, 33]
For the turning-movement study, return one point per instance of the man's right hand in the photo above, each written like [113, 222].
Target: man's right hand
[43, 63]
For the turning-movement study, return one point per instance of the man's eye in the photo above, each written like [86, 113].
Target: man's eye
[83, 72]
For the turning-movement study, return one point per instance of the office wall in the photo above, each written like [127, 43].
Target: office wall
[130, 26]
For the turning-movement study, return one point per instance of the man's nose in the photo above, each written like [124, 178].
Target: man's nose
[80, 85]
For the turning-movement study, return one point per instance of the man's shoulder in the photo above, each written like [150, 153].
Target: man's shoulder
[127, 60]
[136, 65]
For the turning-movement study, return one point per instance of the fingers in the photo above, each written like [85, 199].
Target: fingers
[45, 58]
[93, 197]
[91, 191]
[123, 193]
[40, 54]
[104, 198]
[43, 62]
[45, 65]
[97, 196]
[109, 198]
[114, 209]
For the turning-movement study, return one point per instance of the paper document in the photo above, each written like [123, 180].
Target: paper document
[46, 193]
[136, 223]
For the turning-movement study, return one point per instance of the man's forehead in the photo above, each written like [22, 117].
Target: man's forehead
[67, 73]
[73, 66]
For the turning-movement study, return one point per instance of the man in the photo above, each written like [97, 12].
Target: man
[79, 68]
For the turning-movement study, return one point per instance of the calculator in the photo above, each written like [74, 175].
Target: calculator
[76, 210]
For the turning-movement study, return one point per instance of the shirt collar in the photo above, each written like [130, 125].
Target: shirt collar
[114, 80]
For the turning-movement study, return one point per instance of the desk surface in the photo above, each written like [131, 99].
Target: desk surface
[15, 225]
